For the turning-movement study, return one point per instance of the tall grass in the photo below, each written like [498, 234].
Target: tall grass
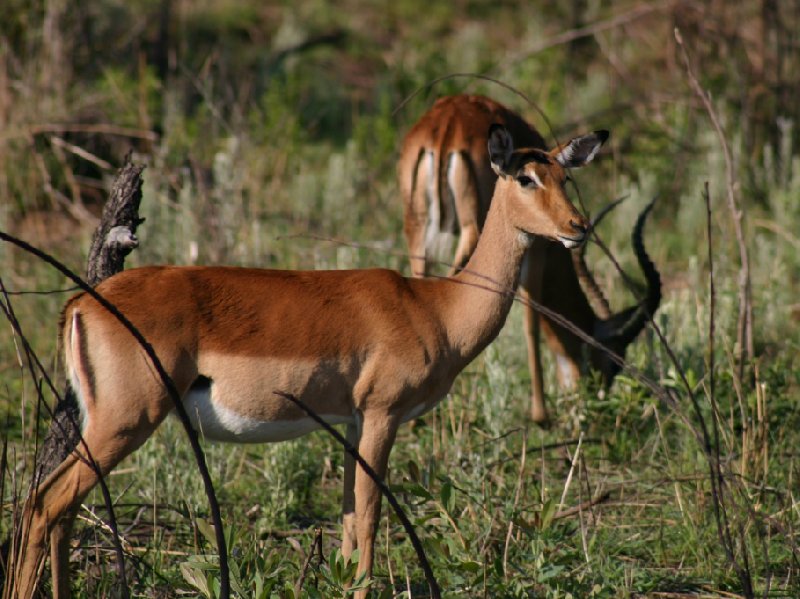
[265, 163]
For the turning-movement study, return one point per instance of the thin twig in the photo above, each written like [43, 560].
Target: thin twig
[80, 152]
[317, 543]
[572, 462]
[744, 335]
[100, 128]
[711, 324]
[717, 482]
[745, 349]
[589, 503]
[592, 29]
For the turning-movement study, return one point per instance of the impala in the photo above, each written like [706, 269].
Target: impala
[447, 180]
[366, 348]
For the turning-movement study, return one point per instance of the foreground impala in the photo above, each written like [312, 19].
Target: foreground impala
[446, 180]
[368, 348]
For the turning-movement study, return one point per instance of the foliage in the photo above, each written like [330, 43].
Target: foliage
[267, 126]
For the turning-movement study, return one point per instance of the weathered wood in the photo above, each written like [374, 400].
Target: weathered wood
[113, 240]
[115, 236]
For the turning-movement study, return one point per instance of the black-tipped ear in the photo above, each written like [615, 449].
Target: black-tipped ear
[501, 146]
[581, 150]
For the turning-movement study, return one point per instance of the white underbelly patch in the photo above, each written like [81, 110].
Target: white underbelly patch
[218, 423]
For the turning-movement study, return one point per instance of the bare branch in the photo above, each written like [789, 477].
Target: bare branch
[115, 237]
[744, 334]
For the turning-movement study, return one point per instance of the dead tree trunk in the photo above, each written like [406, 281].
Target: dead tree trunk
[113, 240]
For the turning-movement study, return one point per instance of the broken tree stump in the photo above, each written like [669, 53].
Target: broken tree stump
[113, 240]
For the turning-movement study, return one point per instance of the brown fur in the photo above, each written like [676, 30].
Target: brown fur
[367, 345]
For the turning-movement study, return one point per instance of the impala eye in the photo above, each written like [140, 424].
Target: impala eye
[526, 181]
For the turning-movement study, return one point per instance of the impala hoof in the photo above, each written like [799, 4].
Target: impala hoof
[540, 417]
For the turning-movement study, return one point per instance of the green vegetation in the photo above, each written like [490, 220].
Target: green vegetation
[271, 129]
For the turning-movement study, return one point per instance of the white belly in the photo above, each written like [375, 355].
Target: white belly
[218, 423]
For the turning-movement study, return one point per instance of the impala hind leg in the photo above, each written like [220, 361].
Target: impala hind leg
[416, 213]
[531, 289]
[463, 189]
[349, 540]
[466, 245]
[567, 350]
[532, 324]
[377, 438]
[50, 511]
[55, 498]
[417, 254]
[59, 552]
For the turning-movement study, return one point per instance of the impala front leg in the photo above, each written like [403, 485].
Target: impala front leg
[377, 437]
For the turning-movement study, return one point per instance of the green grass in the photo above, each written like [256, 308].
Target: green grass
[264, 163]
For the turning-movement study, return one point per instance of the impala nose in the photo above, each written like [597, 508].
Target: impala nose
[579, 228]
[575, 240]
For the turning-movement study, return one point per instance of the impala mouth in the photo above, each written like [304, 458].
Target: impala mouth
[571, 242]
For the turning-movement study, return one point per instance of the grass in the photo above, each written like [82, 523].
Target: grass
[262, 163]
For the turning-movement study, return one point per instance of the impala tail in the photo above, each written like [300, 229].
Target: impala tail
[618, 331]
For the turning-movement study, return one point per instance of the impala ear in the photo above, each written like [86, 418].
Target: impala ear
[501, 146]
[580, 150]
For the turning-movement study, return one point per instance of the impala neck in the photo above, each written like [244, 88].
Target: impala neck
[478, 304]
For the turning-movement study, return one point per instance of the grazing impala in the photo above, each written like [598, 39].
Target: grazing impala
[368, 348]
[446, 180]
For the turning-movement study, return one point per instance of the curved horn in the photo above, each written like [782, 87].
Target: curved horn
[595, 295]
[606, 210]
[623, 327]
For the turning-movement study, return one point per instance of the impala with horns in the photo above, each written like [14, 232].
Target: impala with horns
[447, 180]
[370, 349]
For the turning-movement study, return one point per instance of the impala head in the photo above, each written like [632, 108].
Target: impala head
[534, 179]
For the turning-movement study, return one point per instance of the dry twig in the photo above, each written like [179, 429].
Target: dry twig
[744, 333]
